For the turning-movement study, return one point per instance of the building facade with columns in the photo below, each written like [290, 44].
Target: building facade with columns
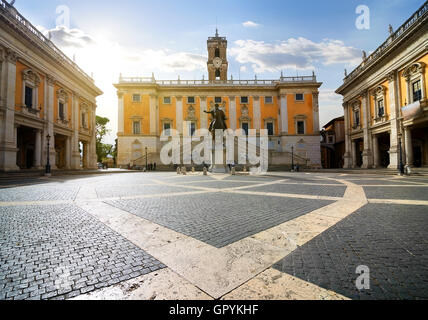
[42, 93]
[287, 107]
[385, 101]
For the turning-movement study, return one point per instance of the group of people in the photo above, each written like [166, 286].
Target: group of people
[151, 167]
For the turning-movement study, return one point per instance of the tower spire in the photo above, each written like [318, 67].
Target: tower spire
[216, 32]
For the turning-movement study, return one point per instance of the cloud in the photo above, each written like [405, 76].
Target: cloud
[250, 24]
[106, 59]
[297, 53]
[330, 105]
[75, 41]
[68, 38]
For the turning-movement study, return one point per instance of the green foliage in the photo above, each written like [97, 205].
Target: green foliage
[103, 150]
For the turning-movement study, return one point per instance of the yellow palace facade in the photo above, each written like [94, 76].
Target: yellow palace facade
[385, 101]
[287, 107]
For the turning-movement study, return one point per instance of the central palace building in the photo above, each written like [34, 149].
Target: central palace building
[287, 107]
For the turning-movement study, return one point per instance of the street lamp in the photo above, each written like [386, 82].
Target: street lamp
[400, 150]
[146, 159]
[292, 158]
[48, 165]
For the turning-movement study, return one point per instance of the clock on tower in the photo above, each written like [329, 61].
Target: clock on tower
[217, 58]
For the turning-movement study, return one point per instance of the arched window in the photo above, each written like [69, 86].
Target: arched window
[217, 73]
[217, 53]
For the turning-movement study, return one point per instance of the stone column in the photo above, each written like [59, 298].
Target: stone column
[394, 115]
[256, 113]
[408, 146]
[75, 115]
[232, 113]
[354, 154]
[179, 114]
[203, 108]
[38, 149]
[86, 155]
[347, 157]
[315, 111]
[93, 142]
[50, 119]
[8, 147]
[367, 152]
[284, 114]
[376, 154]
[68, 153]
[153, 115]
[121, 117]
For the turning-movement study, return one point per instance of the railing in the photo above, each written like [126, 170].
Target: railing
[394, 37]
[178, 82]
[23, 24]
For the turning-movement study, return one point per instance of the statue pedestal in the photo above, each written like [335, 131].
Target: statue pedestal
[219, 168]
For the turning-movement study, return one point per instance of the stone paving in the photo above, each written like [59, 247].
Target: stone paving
[58, 252]
[391, 240]
[169, 236]
[219, 219]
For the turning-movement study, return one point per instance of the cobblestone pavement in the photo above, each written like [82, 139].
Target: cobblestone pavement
[281, 236]
[391, 240]
[219, 219]
[58, 252]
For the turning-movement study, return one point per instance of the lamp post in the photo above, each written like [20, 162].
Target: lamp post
[48, 165]
[400, 150]
[146, 159]
[292, 158]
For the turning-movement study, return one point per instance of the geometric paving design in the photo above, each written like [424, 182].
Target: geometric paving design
[392, 240]
[59, 252]
[219, 219]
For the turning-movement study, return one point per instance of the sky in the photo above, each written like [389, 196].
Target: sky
[168, 38]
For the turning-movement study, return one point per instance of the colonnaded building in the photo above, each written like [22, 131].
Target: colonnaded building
[287, 108]
[42, 93]
[385, 100]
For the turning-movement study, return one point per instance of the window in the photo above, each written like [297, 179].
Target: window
[167, 100]
[217, 99]
[217, 53]
[269, 127]
[84, 124]
[268, 100]
[190, 100]
[137, 127]
[245, 127]
[244, 100]
[357, 117]
[417, 91]
[192, 128]
[217, 74]
[28, 97]
[300, 127]
[61, 112]
[136, 98]
[167, 129]
[380, 108]
[299, 97]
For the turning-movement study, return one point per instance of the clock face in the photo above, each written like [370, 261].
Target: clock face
[217, 62]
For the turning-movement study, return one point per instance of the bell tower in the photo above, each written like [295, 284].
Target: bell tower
[217, 58]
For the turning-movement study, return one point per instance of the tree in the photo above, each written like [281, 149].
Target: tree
[103, 150]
